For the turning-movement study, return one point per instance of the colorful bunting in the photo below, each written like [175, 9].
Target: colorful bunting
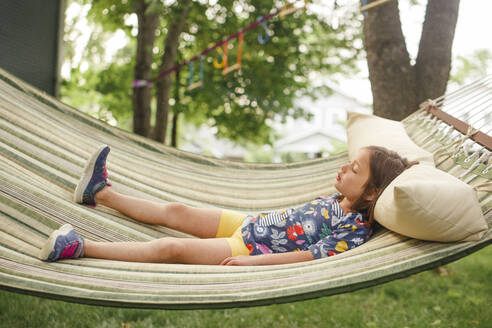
[222, 49]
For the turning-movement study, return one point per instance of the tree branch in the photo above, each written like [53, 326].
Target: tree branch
[147, 24]
[168, 59]
[434, 58]
[390, 72]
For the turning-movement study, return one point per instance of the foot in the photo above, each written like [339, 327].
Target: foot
[63, 243]
[94, 178]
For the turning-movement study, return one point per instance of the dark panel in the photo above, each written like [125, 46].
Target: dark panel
[29, 41]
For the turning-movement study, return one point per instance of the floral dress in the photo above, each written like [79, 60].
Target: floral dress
[319, 226]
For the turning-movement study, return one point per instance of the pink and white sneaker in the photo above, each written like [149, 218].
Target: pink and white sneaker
[64, 243]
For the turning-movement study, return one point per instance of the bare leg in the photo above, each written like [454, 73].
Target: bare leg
[164, 250]
[200, 222]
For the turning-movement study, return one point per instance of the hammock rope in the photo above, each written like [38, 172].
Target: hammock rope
[454, 147]
[43, 147]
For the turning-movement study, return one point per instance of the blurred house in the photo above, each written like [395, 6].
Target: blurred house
[322, 133]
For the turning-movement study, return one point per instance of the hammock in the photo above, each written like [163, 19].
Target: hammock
[44, 145]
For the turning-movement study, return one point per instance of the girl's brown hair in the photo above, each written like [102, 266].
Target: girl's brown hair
[385, 166]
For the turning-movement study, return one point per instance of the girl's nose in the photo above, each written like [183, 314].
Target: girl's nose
[344, 167]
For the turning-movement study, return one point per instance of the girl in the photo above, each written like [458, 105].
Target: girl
[323, 227]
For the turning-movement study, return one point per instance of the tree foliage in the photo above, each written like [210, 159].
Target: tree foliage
[240, 105]
[273, 75]
[472, 67]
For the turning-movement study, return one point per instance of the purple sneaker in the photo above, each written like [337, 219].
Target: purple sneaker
[94, 178]
[63, 243]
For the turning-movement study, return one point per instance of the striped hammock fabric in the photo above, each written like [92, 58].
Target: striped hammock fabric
[44, 145]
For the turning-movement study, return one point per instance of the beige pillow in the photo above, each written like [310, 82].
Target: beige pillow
[426, 203]
[366, 130]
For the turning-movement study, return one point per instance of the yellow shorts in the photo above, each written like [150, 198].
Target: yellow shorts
[230, 229]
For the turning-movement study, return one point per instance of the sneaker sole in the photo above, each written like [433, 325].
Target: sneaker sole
[45, 252]
[78, 195]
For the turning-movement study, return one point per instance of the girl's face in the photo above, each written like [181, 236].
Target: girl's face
[353, 177]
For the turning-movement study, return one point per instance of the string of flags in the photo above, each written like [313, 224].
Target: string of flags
[222, 48]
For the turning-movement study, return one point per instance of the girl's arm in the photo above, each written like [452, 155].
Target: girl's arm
[266, 259]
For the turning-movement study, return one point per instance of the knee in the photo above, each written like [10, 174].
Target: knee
[175, 209]
[170, 249]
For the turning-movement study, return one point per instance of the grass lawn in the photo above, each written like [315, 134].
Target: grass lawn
[458, 296]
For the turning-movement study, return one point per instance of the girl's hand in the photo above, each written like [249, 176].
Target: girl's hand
[267, 259]
[239, 260]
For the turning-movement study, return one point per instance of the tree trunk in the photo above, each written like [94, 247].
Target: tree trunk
[168, 59]
[434, 57]
[147, 24]
[174, 131]
[398, 87]
[176, 111]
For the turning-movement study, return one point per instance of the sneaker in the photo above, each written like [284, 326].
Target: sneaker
[94, 178]
[63, 243]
